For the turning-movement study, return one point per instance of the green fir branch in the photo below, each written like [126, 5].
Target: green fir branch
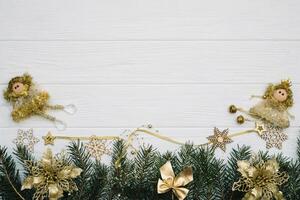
[231, 174]
[82, 159]
[98, 181]
[119, 171]
[207, 172]
[10, 182]
[144, 175]
[23, 155]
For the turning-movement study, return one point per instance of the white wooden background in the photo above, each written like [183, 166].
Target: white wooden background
[176, 64]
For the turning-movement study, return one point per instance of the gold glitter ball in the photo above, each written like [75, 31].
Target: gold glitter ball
[232, 109]
[240, 119]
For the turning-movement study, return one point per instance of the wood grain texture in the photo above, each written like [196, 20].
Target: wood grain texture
[176, 64]
[151, 62]
[163, 105]
[149, 20]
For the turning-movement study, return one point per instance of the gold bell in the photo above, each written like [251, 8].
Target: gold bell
[232, 109]
[240, 119]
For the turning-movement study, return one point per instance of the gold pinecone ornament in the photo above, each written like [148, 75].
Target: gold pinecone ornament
[261, 180]
[51, 177]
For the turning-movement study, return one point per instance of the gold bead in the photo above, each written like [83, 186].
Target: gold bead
[240, 119]
[133, 152]
[232, 109]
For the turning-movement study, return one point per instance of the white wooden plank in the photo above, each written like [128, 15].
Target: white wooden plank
[197, 135]
[149, 20]
[151, 62]
[163, 105]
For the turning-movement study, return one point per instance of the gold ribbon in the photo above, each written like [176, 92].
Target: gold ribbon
[176, 184]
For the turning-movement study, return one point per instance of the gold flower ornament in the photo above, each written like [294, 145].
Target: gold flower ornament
[51, 177]
[260, 181]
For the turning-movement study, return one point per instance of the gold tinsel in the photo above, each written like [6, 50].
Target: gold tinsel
[27, 100]
[35, 105]
[51, 177]
[260, 180]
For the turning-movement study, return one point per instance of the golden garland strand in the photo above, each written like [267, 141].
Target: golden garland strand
[49, 138]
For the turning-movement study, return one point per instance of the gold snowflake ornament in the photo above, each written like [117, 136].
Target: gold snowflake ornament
[97, 148]
[26, 138]
[274, 136]
[220, 138]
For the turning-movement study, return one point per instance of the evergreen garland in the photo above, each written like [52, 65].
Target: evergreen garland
[136, 178]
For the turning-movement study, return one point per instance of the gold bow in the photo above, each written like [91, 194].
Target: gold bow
[170, 182]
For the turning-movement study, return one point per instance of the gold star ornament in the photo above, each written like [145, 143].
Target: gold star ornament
[220, 138]
[49, 139]
[260, 128]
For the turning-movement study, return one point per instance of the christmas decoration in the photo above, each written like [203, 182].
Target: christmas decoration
[176, 184]
[49, 139]
[274, 107]
[97, 148]
[26, 139]
[274, 136]
[133, 171]
[132, 139]
[28, 100]
[271, 112]
[51, 177]
[135, 177]
[220, 138]
[260, 128]
[261, 180]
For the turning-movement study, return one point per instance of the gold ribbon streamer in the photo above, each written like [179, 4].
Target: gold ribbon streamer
[49, 138]
[176, 184]
[171, 140]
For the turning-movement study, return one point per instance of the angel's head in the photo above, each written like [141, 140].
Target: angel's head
[280, 95]
[18, 87]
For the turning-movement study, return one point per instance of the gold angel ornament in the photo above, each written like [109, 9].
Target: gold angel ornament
[276, 102]
[27, 100]
[176, 184]
[272, 111]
